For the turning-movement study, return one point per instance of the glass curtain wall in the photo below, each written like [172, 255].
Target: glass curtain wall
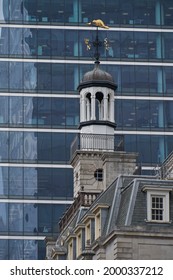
[42, 60]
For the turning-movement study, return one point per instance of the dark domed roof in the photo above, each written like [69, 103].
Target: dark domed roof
[97, 77]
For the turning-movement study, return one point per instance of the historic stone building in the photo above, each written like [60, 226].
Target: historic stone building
[117, 213]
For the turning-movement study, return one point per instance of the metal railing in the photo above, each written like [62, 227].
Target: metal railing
[98, 142]
[166, 169]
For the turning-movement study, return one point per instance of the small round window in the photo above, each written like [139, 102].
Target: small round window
[98, 174]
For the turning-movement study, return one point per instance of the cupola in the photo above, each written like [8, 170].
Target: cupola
[97, 98]
[97, 119]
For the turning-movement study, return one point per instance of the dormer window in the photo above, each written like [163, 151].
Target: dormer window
[70, 251]
[97, 226]
[80, 239]
[88, 234]
[100, 211]
[158, 206]
[79, 244]
[89, 222]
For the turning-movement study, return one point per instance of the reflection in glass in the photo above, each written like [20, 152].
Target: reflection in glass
[46, 43]
[4, 115]
[15, 249]
[30, 182]
[143, 114]
[113, 12]
[49, 77]
[15, 181]
[4, 249]
[30, 218]
[33, 182]
[38, 147]
[47, 217]
[151, 149]
[15, 212]
[4, 145]
[4, 179]
[3, 217]
[15, 110]
[15, 146]
[30, 249]
[30, 146]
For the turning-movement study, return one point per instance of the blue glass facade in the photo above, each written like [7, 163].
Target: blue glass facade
[42, 60]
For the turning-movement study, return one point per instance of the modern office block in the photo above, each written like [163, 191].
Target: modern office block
[43, 57]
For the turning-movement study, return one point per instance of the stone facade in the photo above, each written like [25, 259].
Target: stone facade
[85, 163]
[140, 246]
[116, 163]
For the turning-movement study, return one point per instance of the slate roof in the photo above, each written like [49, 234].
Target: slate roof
[127, 202]
[127, 206]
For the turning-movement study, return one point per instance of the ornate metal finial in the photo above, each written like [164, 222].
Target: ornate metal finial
[97, 43]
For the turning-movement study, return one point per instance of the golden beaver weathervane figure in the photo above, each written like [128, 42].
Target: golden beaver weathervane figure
[98, 23]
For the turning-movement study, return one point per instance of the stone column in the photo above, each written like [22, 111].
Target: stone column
[93, 109]
[88, 110]
[111, 110]
[102, 110]
[105, 107]
[83, 109]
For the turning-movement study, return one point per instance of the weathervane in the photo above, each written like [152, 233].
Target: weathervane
[97, 43]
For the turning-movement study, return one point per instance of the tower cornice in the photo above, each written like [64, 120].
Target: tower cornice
[99, 122]
[97, 83]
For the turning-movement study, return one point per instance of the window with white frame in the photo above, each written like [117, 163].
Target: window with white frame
[158, 207]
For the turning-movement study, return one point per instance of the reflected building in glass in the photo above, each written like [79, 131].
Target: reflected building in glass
[42, 59]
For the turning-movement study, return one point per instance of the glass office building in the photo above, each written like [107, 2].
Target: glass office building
[42, 60]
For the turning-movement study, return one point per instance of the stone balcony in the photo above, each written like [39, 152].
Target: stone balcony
[84, 199]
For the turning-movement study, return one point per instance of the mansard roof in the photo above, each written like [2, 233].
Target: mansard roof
[125, 204]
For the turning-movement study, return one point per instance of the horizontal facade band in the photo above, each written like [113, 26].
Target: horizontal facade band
[149, 98]
[147, 132]
[88, 62]
[132, 132]
[77, 27]
[34, 165]
[50, 95]
[77, 96]
[37, 201]
[23, 129]
[22, 237]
